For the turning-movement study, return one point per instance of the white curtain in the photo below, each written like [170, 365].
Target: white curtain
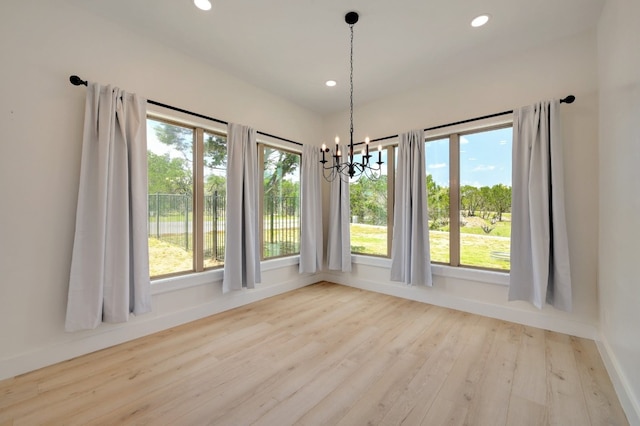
[242, 254]
[339, 240]
[310, 211]
[539, 247]
[410, 258]
[109, 276]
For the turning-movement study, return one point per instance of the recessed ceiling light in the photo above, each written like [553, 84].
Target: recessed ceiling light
[202, 4]
[330, 83]
[479, 21]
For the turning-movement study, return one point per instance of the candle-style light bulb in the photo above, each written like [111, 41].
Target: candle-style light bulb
[366, 144]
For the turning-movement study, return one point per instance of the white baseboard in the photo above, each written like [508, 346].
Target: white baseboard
[107, 335]
[628, 400]
[531, 318]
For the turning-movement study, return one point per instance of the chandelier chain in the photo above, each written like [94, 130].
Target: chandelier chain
[351, 86]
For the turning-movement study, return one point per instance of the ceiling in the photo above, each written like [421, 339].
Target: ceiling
[291, 47]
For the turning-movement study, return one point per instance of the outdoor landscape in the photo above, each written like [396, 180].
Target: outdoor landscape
[485, 218]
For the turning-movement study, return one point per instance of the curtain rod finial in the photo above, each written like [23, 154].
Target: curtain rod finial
[569, 99]
[77, 81]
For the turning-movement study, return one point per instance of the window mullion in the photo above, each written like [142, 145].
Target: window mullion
[391, 185]
[261, 203]
[454, 200]
[198, 201]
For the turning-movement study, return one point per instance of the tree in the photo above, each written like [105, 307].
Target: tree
[168, 175]
[486, 202]
[181, 139]
[177, 137]
[437, 200]
[278, 165]
[215, 151]
[501, 198]
[215, 184]
[470, 199]
[368, 199]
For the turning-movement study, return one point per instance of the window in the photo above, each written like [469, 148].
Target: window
[470, 210]
[170, 183]
[280, 202]
[485, 198]
[187, 180]
[469, 201]
[369, 200]
[215, 187]
[186, 186]
[437, 165]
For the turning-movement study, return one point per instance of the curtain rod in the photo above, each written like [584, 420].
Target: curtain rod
[568, 100]
[77, 81]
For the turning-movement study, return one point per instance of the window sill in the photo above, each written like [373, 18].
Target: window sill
[281, 262]
[469, 274]
[167, 285]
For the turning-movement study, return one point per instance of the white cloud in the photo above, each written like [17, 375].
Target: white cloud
[472, 159]
[463, 140]
[437, 166]
[475, 183]
[483, 168]
[503, 142]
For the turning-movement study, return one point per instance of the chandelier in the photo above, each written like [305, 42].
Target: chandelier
[343, 164]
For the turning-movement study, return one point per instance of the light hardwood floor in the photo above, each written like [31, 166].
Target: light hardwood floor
[326, 355]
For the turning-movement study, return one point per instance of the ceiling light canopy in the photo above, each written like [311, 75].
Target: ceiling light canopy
[330, 83]
[479, 21]
[202, 4]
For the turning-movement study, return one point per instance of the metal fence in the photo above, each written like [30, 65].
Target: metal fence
[214, 226]
[281, 225]
[171, 221]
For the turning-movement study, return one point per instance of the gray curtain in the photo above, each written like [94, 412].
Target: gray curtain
[339, 240]
[310, 211]
[242, 253]
[410, 258]
[539, 247]
[109, 276]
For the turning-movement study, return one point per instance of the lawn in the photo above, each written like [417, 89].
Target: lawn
[166, 258]
[477, 247]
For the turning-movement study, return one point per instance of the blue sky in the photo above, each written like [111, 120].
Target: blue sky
[485, 159]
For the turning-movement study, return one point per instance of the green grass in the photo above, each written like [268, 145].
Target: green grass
[369, 239]
[166, 258]
[476, 246]
[475, 250]
[172, 217]
[169, 255]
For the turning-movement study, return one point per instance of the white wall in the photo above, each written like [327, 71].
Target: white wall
[619, 158]
[41, 114]
[553, 71]
[41, 44]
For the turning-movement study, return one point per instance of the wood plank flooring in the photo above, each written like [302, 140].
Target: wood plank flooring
[326, 355]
